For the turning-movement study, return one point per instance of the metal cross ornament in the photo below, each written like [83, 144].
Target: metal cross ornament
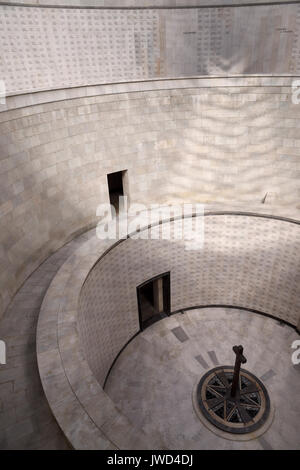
[232, 398]
[240, 359]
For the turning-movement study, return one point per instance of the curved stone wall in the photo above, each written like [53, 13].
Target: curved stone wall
[96, 422]
[211, 140]
[246, 261]
[55, 47]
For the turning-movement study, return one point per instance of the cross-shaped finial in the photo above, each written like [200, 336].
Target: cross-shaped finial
[239, 353]
[240, 359]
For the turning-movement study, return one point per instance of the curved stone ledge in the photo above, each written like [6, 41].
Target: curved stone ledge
[85, 413]
[39, 97]
[137, 4]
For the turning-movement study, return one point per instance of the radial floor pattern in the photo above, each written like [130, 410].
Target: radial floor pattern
[153, 379]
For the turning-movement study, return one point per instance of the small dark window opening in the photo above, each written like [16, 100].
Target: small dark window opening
[154, 299]
[115, 188]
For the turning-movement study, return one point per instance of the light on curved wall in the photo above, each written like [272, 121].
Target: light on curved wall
[70, 47]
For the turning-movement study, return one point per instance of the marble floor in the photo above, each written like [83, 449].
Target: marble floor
[153, 379]
[26, 421]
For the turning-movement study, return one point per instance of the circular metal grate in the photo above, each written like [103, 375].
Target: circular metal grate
[242, 413]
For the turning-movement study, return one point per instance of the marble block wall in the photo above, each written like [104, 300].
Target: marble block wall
[210, 143]
[245, 261]
[43, 47]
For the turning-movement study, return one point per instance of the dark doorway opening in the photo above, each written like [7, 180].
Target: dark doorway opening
[115, 188]
[154, 299]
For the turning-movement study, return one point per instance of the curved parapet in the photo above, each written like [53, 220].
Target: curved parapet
[83, 325]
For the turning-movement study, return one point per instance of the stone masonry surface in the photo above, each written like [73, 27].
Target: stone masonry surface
[206, 144]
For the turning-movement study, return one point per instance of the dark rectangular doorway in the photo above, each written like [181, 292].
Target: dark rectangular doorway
[115, 188]
[154, 299]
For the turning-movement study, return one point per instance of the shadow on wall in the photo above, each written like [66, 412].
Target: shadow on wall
[42, 230]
